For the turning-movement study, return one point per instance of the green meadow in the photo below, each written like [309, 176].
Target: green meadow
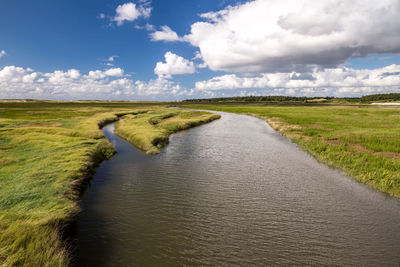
[48, 152]
[363, 141]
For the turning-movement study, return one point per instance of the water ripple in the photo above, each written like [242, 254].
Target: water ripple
[232, 193]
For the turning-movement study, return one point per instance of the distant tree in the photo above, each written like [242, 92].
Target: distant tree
[380, 97]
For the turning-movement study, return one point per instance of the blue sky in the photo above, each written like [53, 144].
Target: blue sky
[49, 35]
[205, 48]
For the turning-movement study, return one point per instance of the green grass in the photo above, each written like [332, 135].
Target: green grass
[150, 131]
[363, 141]
[48, 150]
[47, 153]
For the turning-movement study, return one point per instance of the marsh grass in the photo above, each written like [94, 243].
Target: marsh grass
[363, 141]
[47, 153]
[150, 131]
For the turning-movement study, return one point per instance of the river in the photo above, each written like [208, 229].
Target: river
[231, 193]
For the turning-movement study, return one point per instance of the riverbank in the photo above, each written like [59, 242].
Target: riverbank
[149, 132]
[48, 153]
[362, 141]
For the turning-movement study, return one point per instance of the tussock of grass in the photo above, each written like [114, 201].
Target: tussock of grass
[362, 141]
[150, 132]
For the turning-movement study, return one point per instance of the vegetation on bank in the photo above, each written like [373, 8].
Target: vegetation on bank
[381, 98]
[294, 100]
[363, 141]
[47, 153]
[150, 131]
[276, 100]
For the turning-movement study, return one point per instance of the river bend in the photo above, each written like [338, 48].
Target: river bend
[232, 192]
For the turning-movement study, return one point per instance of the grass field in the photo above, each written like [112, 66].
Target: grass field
[49, 150]
[363, 141]
[47, 153]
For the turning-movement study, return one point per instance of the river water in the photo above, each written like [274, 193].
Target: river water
[231, 193]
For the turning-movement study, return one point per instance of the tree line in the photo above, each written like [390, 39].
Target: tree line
[303, 99]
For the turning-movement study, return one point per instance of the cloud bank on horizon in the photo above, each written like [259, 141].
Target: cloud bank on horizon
[260, 47]
[110, 84]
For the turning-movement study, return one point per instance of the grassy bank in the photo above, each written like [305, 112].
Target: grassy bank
[363, 141]
[47, 153]
[150, 131]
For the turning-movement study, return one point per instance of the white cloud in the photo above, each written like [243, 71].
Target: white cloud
[130, 12]
[295, 35]
[99, 74]
[17, 82]
[60, 77]
[112, 58]
[174, 65]
[337, 82]
[158, 87]
[29, 78]
[12, 73]
[116, 72]
[2, 53]
[166, 34]
[73, 73]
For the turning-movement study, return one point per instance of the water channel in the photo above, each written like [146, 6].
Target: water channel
[231, 193]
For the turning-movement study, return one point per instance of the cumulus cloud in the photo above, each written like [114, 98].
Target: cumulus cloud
[99, 74]
[159, 86]
[2, 53]
[166, 35]
[17, 82]
[130, 12]
[328, 82]
[174, 65]
[295, 35]
[60, 77]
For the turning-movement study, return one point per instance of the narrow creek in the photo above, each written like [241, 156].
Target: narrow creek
[232, 192]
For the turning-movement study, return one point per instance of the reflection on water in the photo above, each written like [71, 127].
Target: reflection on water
[232, 192]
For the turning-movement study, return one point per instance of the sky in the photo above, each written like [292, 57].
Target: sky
[180, 49]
